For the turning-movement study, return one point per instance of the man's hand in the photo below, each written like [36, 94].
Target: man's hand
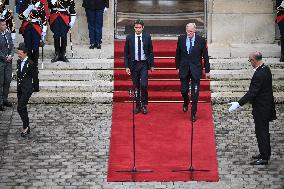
[128, 71]
[177, 70]
[105, 10]
[9, 59]
[234, 106]
[152, 69]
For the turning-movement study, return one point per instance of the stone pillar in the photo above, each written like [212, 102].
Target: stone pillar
[240, 22]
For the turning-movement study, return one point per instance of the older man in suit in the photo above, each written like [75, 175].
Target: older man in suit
[6, 55]
[260, 95]
[138, 59]
[190, 50]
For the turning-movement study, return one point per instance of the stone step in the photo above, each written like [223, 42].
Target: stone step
[104, 97]
[225, 97]
[75, 64]
[71, 86]
[242, 74]
[66, 97]
[66, 75]
[240, 85]
[242, 63]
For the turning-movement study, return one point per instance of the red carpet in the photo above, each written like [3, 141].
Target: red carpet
[162, 143]
[163, 135]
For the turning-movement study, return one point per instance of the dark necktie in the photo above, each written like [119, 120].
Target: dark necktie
[190, 45]
[139, 48]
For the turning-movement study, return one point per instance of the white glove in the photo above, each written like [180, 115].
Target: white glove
[282, 4]
[28, 10]
[37, 4]
[105, 10]
[53, 1]
[13, 35]
[43, 34]
[72, 21]
[234, 106]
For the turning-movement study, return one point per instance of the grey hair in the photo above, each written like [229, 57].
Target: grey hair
[191, 25]
[257, 56]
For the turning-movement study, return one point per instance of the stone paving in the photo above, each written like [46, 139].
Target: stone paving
[68, 148]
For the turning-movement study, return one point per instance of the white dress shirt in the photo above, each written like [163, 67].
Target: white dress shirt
[143, 57]
[23, 63]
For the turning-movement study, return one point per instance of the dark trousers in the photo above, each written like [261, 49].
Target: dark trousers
[34, 56]
[23, 99]
[95, 25]
[263, 137]
[60, 44]
[140, 81]
[5, 80]
[194, 89]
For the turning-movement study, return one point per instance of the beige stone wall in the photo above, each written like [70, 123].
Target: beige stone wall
[240, 21]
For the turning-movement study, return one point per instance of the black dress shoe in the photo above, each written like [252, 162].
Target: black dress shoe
[144, 110]
[99, 46]
[138, 109]
[1, 108]
[193, 118]
[185, 107]
[92, 46]
[64, 58]
[7, 104]
[25, 132]
[259, 162]
[55, 58]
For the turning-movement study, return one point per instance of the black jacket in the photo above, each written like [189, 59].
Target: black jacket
[260, 95]
[26, 77]
[191, 63]
[95, 4]
[129, 50]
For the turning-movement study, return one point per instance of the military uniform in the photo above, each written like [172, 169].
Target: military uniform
[280, 21]
[62, 18]
[7, 15]
[33, 28]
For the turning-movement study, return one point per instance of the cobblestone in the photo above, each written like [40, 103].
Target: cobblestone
[68, 148]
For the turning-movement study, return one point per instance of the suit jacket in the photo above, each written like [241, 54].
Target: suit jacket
[191, 63]
[260, 95]
[95, 4]
[26, 77]
[4, 51]
[129, 50]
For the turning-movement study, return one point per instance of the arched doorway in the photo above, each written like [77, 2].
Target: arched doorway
[163, 18]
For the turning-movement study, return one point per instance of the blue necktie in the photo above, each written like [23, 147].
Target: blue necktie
[190, 46]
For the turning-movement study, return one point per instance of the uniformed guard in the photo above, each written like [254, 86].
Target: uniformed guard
[33, 29]
[62, 18]
[280, 21]
[7, 15]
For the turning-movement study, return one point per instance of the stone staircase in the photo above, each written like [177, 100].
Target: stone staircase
[88, 78]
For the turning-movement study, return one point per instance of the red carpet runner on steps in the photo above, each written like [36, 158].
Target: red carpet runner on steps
[163, 135]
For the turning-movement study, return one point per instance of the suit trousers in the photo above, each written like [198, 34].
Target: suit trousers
[95, 25]
[5, 80]
[34, 56]
[23, 99]
[140, 81]
[194, 89]
[263, 137]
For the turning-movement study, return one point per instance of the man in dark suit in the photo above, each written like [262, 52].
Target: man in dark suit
[94, 11]
[26, 85]
[260, 95]
[280, 22]
[189, 52]
[6, 56]
[138, 59]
